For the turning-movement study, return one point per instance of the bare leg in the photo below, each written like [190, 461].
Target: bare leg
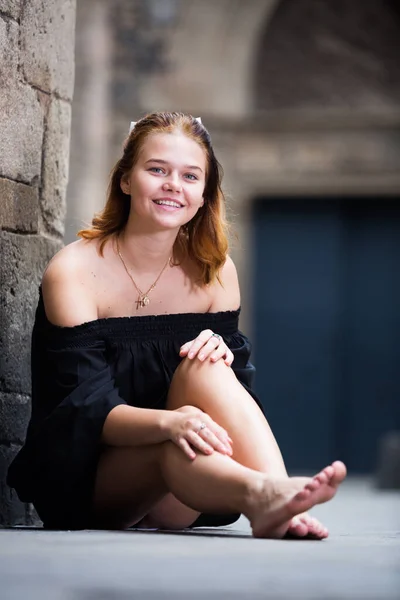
[213, 388]
[216, 483]
[131, 481]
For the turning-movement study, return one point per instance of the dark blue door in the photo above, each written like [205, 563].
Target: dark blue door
[327, 326]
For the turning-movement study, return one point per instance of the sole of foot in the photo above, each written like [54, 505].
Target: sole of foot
[281, 500]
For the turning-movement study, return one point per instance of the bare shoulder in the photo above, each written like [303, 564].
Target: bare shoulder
[66, 291]
[227, 293]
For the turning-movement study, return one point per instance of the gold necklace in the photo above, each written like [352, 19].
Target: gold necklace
[143, 298]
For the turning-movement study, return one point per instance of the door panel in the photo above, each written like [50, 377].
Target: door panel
[326, 313]
[298, 249]
[371, 351]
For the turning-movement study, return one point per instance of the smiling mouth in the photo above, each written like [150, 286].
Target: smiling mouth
[173, 203]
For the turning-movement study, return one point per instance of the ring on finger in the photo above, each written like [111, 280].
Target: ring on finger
[219, 338]
[202, 426]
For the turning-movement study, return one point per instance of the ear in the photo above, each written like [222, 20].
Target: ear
[125, 184]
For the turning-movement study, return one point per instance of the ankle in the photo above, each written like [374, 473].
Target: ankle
[255, 490]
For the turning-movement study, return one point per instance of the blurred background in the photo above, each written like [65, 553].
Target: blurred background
[302, 100]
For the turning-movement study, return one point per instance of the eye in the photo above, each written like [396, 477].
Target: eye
[156, 169]
[191, 177]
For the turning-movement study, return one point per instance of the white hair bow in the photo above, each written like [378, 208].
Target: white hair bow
[133, 123]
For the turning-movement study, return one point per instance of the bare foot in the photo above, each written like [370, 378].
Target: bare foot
[305, 526]
[279, 500]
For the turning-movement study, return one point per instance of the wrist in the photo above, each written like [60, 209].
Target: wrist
[165, 423]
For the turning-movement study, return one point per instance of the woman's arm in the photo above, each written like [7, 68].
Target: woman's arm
[226, 297]
[227, 293]
[130, 426]
[67, 297]
[69, 302]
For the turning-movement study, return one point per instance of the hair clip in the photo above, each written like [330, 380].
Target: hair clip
[133, 123]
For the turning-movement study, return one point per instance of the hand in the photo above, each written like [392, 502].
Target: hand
[190, 428]
[207, 345]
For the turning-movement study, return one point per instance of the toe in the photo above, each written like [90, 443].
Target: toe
[340, 471]
[313, 485]
[314, 527]
[302, 495]
[322, 477]
[329, 471]
[298, 528]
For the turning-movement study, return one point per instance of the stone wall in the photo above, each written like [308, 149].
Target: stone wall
[36, 85]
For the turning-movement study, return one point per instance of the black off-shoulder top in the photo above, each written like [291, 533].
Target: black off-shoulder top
[79, 374]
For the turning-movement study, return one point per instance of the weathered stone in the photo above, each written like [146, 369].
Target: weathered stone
[36, 58]
[55, 166]
[32, 518]
[9, 31]
[11, 8]
[19, 207]
[23, 261]
[47, 45]
[388, 470]
[12, 510]
[15, 411]
[21, 126]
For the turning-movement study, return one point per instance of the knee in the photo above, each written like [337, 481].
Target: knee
[194, 370]
[193, 379]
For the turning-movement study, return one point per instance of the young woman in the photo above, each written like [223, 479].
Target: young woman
[142, 409]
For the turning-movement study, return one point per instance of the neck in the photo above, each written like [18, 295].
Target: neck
[146, 252]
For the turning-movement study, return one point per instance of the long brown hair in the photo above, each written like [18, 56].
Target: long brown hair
[204, 237]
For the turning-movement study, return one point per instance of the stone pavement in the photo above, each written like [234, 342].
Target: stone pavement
[360, 560]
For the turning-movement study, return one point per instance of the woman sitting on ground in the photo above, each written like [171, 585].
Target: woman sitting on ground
[142, 408]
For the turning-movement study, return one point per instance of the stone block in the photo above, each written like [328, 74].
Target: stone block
[21, 126]
[9, 32]
[12, 511]
[32, 518]
[388, 469]
[19, 207]
[47, 45]
[15, 412]
[11, 8]
[23, 261]
[55, 166]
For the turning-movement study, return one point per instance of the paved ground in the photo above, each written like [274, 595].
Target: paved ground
[361, 559]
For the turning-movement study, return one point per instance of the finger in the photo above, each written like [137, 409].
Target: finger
[199, 342]
[187, 449]
[212, 346]
[195, 348]
[220, 352]
[214, 441]
[220, 432]
[184, 349]
[229, 358]
[195, 440]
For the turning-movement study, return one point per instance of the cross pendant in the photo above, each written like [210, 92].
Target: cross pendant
[142, 302]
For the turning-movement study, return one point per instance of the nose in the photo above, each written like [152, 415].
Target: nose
[172, 184]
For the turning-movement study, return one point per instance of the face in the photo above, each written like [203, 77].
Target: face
[166, 184]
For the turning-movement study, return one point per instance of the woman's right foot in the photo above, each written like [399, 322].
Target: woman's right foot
[277, 501]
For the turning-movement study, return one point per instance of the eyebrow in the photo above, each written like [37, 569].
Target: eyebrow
[165, 162]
